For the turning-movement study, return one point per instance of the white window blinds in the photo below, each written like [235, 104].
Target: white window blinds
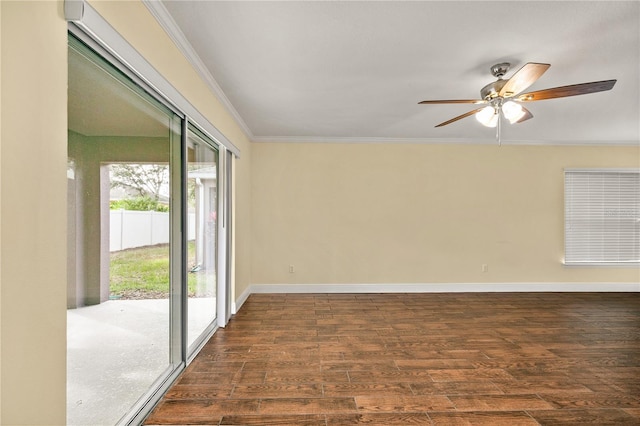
[602, 217]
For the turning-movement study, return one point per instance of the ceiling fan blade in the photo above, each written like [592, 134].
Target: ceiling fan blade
[460, 117]
[564, 91]
[523, 78]
[527, 115]
[456, 101]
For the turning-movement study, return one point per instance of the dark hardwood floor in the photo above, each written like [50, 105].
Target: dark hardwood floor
[401, 359]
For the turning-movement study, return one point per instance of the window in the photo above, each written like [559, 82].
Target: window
[602, 217]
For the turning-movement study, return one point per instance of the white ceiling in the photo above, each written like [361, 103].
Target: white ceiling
[356, 70]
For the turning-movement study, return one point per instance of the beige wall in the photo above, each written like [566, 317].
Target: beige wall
[33, 220]
[403, 213]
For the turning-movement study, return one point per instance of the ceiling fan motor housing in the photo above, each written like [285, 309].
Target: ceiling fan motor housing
[491, 90]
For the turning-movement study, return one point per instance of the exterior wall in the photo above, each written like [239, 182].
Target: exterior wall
[88, 232]
[409, 213]
[33, 219]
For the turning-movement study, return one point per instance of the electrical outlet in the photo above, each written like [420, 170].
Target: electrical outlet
[485, 267]
[292, 269]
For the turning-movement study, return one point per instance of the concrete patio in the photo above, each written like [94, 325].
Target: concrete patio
[115, 352]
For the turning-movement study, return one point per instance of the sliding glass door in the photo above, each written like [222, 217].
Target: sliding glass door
[143, 191]
[119, 285]
[202, 206]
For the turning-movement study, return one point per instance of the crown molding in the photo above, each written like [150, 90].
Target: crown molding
[447, 141]
[172, 29]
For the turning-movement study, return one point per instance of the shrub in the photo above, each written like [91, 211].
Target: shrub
[138, 204]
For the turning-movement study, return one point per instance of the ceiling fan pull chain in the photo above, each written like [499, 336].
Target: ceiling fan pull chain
[499, 128]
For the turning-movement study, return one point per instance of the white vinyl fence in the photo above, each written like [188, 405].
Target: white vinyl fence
[129, 229]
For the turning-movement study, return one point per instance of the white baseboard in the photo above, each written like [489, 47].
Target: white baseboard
[436, 288]
[237, 304]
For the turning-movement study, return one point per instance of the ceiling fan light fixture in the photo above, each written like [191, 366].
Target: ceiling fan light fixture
[512, 111]
[501, 94]
[487, 116]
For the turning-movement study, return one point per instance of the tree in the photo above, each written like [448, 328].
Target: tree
[145, 180]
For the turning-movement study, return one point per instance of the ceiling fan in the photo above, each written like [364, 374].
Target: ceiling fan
[503, 97]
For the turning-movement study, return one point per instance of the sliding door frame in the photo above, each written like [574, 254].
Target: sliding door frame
[221, 201]
[85, 24]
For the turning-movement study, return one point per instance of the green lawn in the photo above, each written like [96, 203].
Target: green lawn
[143, 273]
